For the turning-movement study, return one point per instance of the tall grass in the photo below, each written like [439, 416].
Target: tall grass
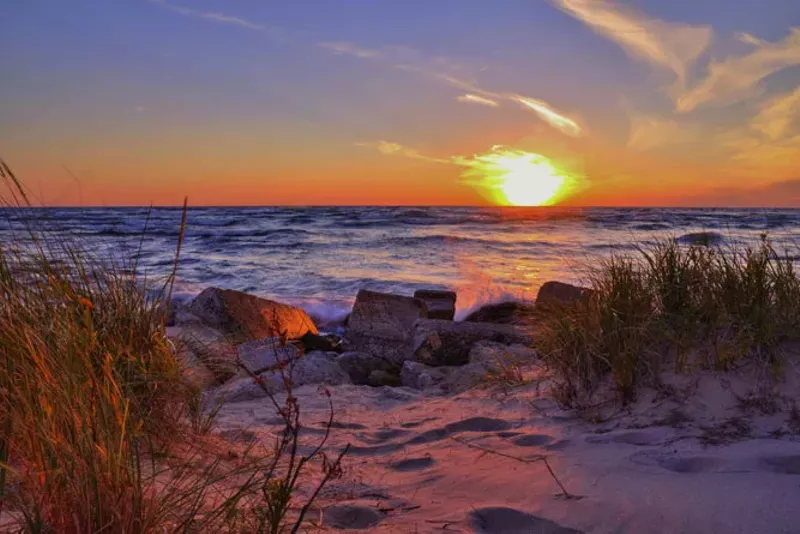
[672, 305]
[96, 432]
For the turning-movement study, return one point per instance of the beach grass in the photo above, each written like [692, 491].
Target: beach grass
[669, 305]
[101, 429]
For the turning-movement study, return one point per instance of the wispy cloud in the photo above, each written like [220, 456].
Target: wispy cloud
[777, 115]
[666, 45]
[343, 48]
[389, 148]
[469, 98]
[441, 69]
[649, 133]
[737, 78]
[749, 38]
[550, 116]
[221, 18]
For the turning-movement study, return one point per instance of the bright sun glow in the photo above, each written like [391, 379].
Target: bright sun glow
[518, 178]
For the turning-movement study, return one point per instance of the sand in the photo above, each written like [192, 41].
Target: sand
[696, 460]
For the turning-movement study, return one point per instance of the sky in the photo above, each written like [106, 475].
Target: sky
[395, 102]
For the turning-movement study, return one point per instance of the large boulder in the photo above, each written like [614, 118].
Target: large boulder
[512, 312]
[437, 342]
[382, 325]
[557, 294]
[440, 304]
[246, 317]
[311, 368]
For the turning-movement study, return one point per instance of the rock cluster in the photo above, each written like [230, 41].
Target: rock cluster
[390, 340]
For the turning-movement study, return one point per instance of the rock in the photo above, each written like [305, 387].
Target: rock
[417, 375]
[311, 368]
[379, 377]
[382, 324]
[438, 342]
[267, 353]
[503, 313]
[423, 377]
[359, 366]
[323, 342]
[178, 312]
[559, 294]
[440, 304]
[247, 317]
[198, 343]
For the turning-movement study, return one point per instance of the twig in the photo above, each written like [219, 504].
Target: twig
[174, 273]
[540, 458]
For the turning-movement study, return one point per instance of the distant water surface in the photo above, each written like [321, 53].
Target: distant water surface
[319, 257]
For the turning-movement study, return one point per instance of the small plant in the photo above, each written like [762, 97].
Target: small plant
[272, 505]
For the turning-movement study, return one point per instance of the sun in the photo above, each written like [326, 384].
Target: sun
[519, 178]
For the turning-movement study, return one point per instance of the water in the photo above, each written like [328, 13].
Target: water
[319, 258]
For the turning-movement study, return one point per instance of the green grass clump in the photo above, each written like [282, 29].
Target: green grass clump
[668, 304]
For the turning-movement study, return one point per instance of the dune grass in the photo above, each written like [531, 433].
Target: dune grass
[100, 427]
[687, 307]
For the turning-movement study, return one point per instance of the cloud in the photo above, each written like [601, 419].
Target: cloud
[666, 45]
[138, 109]
[777, 115]
[550, 116]
[648, 133]
[737, 78]
[469, 98]
[389, 148]
[342, 48]
[441, 69]
[749, 38]
[221, 18]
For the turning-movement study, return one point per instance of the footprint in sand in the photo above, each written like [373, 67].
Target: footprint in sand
[531, 440]
[412, 464]
[499, 520]
[383, 435]
[785, 465]
[375, 450]
[415, 424]
[678, 464]
[630, 438]
[559, 445]
[352, 517]
[429, 436]
[693, 464]
[479, 424]
[344, 426]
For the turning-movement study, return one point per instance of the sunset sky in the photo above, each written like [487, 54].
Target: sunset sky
[250, 102]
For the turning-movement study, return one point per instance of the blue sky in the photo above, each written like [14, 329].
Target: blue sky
[376, 101]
